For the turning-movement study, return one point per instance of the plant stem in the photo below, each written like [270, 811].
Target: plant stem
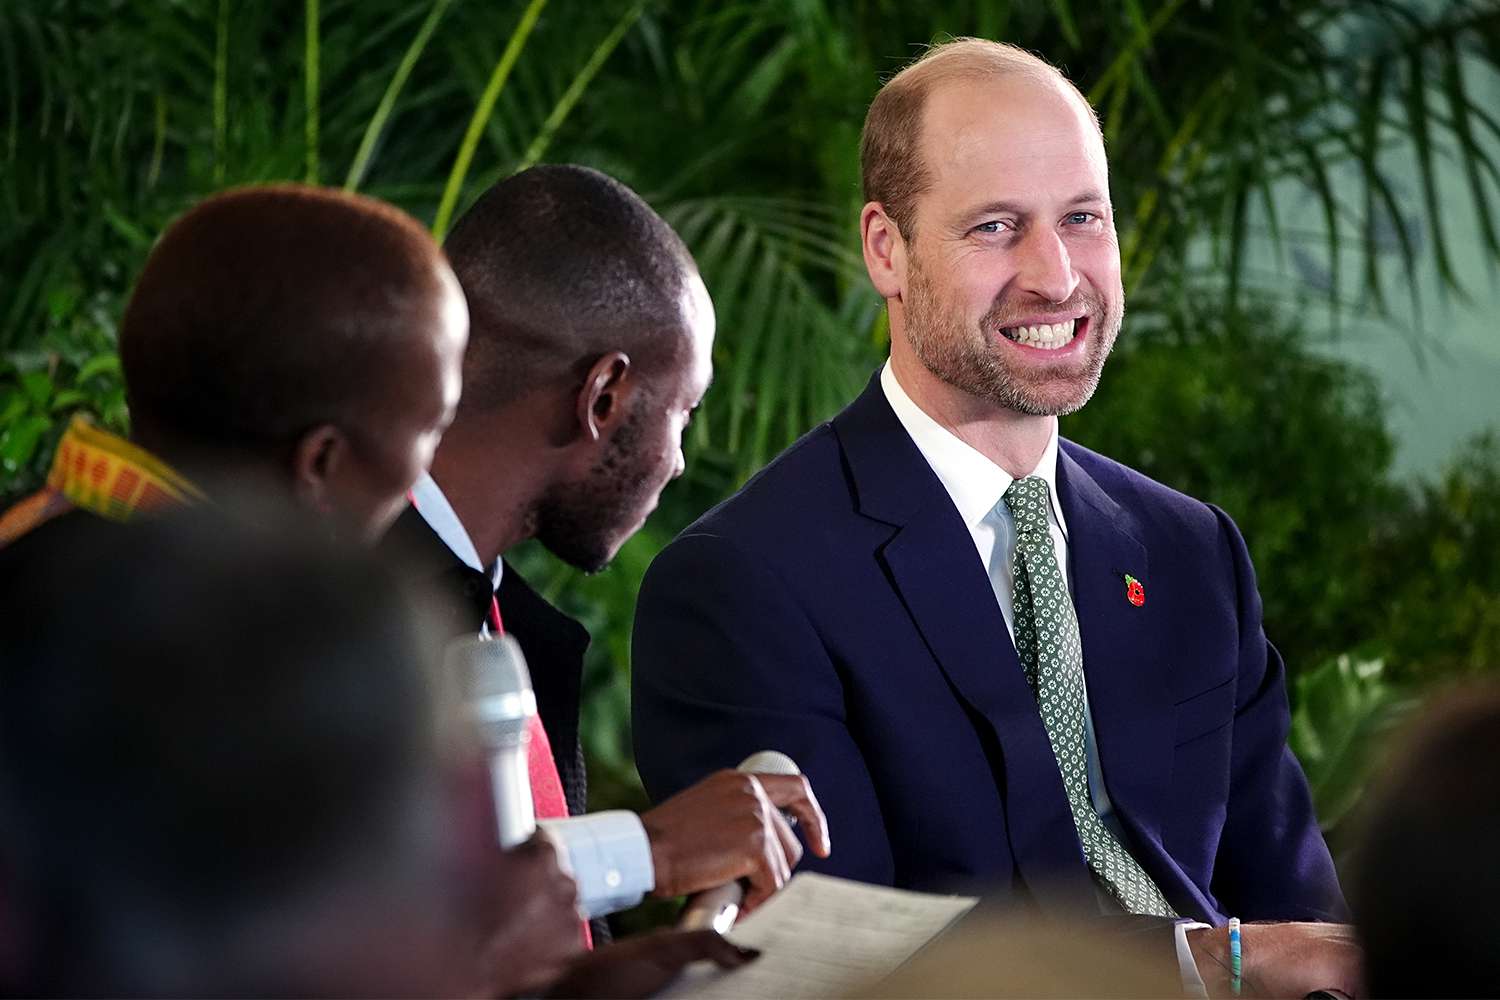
[221, 92]
[388, 99]
[310, 68]
[482, 114]
[577, 87]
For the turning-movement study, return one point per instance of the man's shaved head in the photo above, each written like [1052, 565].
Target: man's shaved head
[561, 264]
[268, 310]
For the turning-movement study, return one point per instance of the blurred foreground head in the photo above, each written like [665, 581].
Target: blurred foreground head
[304, 339]
[1426, 872]
[591, 346]
[221, 772]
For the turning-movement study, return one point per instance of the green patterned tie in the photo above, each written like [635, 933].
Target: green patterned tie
[1051, 653]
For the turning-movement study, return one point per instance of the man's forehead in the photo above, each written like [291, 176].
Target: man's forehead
[1017, 121]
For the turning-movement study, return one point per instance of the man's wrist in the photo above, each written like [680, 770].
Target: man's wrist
[661, 861]
[1210, 948]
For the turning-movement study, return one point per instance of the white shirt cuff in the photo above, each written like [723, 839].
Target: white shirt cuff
[609, 856]
[1192, 980]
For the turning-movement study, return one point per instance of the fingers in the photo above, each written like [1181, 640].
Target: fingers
[771, 869]
[794, 793]
[790, 845]
[678, 948]
[779, 844]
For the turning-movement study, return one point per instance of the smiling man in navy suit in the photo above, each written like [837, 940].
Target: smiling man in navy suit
[1007, 662]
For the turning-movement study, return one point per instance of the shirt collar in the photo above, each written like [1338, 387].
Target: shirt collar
[975, 483]
[440, 516]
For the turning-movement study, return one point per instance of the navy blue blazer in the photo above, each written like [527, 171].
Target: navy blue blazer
[835, 609]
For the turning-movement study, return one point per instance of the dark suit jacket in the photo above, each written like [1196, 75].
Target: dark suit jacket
[835, 609]
[554, 644]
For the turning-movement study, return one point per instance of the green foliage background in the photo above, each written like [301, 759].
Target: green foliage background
[739, 121]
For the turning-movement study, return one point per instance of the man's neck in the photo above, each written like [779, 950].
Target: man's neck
[1014, 441]
[492, 484]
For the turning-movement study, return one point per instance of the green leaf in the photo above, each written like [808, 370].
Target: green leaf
[18, 441]
[1343, 708]
[1063, 11]
[67, 399]
[38, 388]
[100, 364]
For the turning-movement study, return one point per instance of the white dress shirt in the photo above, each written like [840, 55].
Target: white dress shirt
[607, 853]
[977, 487]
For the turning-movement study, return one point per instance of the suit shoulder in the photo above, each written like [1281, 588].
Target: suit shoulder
[808, 476]
[1155, 503]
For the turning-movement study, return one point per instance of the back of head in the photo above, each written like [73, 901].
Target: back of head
[1425, 872]
[265, 311]
[890, 157]
[219, 768]
[561, 264]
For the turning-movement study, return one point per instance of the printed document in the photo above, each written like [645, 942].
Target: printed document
[825, 937]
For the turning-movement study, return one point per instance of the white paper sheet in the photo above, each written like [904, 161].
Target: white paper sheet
[825, 937]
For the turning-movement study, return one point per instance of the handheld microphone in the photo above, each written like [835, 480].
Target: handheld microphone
[497, 687]
[717, 909]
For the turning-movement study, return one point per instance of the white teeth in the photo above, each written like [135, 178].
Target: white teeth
[1047, 336]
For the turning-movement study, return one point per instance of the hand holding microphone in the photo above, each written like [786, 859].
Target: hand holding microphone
[730, 827]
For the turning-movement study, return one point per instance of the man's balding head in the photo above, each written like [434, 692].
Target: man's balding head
[268, 313]
[891, 166]
[562, 264]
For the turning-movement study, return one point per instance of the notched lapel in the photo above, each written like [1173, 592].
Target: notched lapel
[932, 564]
[937, 573]
[1123, 658]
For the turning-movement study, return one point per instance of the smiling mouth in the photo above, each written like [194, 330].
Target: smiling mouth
[1045, 336]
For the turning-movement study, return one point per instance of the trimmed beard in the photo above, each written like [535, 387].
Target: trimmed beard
[965, 359]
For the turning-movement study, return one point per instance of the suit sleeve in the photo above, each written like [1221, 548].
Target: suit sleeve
[725, 663]
[1273, 862]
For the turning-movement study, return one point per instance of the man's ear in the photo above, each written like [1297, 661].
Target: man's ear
[604, 399]
[317, 459]
[884, 249]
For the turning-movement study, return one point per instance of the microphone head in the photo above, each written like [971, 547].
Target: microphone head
[497, 687]
[769, 762]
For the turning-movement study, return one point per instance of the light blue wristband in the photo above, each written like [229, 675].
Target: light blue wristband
[1235, 955]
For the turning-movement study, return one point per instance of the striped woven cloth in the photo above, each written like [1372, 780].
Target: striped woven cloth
[102, 473]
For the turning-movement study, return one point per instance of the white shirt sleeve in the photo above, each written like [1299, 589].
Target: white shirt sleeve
[609, 856]
[1192, 980]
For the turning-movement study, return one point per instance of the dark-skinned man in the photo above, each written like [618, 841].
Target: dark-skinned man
[590, 348]
[296, 349]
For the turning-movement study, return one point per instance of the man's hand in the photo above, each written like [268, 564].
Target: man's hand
[729, 826]
[538, 933]
[1282, 960]
[639, 967]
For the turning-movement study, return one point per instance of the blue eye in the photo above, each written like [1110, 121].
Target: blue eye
[1080, 218]
[988, 227]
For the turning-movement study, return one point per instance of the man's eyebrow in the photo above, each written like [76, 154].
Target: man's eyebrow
[1088, 197]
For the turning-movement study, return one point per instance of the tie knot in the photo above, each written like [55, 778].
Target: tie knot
[1027, 500]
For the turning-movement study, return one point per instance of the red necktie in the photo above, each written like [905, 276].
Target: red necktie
[546, 784]
[547, 797]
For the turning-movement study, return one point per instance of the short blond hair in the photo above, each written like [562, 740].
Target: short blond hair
[890, 156]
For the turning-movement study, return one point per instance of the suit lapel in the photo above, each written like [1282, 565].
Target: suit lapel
[1129, 697]
[931, 562]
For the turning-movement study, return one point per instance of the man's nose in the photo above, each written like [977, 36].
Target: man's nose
[1046, 268]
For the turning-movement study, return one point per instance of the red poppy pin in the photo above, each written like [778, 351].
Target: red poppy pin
[1134, 592]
